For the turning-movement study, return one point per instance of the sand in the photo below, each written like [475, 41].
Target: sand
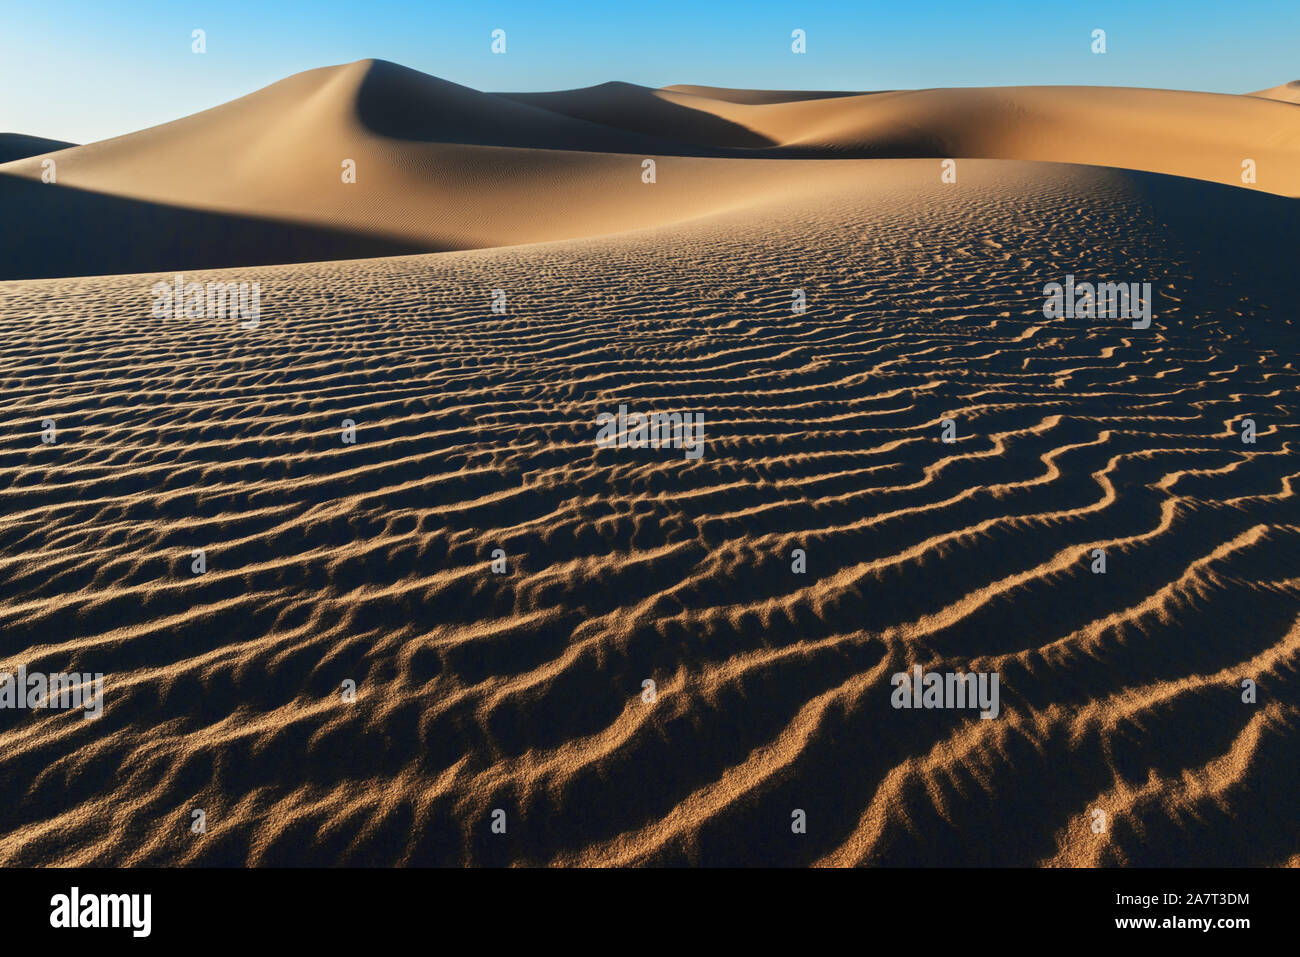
[441, 167]
[523, 691]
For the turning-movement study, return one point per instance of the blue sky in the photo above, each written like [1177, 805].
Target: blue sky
[83, 70]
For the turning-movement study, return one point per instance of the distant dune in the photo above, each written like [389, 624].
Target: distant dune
[1199, 135]
[443, 167]
[1287, 92]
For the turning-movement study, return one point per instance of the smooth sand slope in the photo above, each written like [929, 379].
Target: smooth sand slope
[522, 692]
[443, 167]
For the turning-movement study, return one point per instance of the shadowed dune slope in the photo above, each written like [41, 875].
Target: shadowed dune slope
[522, 691]
[442, 167]
[14, 146]
[731, 95]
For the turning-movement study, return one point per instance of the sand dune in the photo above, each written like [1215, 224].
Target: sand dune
[442, 167]
[240, 176]
[1287, 92]
[1199, 135]
[522, 691]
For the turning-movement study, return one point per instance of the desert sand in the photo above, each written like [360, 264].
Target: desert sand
[522, 691]
[441, 167]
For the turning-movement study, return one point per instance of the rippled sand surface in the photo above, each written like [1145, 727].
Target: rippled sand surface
[522, 691]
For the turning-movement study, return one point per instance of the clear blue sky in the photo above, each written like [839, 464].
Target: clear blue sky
[82, 70]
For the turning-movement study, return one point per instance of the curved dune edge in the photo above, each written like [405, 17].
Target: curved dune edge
[522, 691]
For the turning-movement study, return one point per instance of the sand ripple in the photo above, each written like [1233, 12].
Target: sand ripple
[522, 691]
